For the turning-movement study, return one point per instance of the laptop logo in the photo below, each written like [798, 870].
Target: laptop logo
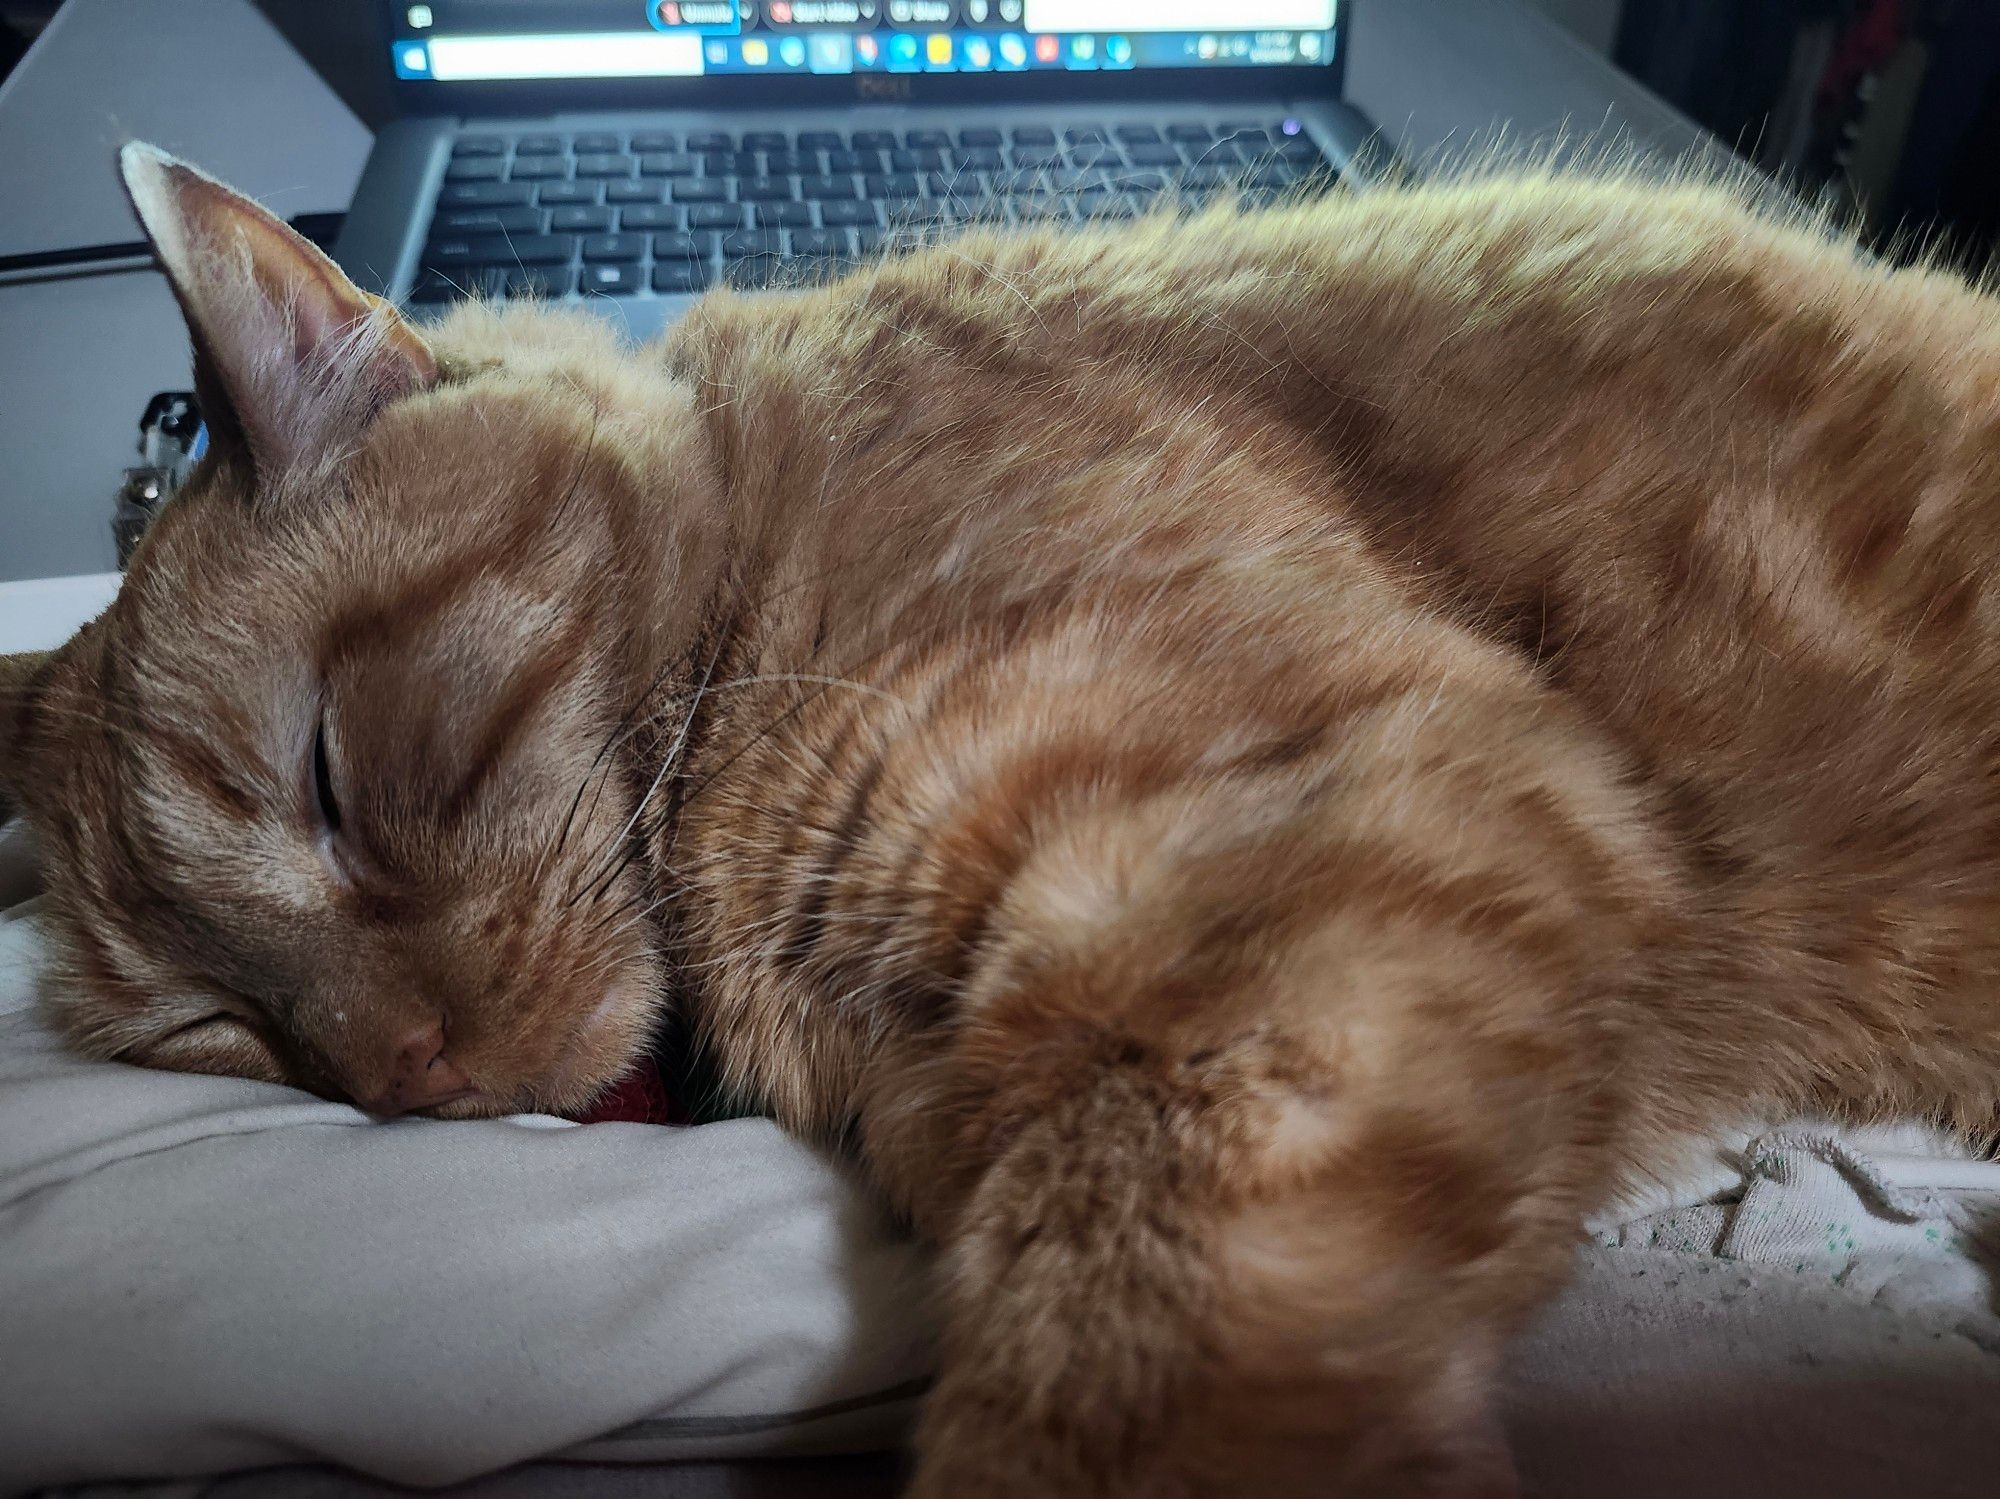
[874, 86]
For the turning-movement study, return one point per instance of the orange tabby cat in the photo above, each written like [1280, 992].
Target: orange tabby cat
[1253, 770]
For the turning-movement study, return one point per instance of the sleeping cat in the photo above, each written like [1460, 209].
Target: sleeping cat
[1252, 770]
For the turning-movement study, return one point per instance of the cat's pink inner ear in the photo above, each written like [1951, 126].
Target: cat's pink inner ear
[301, 356]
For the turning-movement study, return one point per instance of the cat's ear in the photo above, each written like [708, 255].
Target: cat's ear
[19, 685]
[291, 358]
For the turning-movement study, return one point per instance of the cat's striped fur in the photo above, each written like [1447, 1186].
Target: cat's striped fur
[1252, 770]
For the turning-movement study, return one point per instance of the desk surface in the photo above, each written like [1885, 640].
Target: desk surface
[79, 358]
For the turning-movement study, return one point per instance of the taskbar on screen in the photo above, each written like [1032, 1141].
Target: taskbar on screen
[448, 58]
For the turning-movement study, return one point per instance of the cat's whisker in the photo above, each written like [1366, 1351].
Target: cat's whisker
[667, 764]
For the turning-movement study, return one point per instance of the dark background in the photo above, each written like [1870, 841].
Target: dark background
[1886, 107]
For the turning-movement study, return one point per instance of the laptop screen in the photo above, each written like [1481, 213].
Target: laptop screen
[448, 41]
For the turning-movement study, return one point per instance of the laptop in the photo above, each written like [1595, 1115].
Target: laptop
[628, 154]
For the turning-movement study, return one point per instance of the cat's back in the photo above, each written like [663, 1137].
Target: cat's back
[1720, 478]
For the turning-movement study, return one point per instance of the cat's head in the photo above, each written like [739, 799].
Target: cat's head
[339, 790]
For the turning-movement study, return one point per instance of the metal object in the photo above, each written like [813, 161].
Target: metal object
[172, 439]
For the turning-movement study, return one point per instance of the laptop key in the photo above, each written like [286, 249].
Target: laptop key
[875, 140]
[979, 159]
[730, 163]
[828, 187]
[580, 218]
[484, 194]
[667, 164]
[748, 242]
[446, 251]
[1153, 156]
[766, 140]
[854, 161]
[1216, 153]
[1034, 158]
[715, 216]
[681, 276]
[957, 185]
[634, 192]
[784, 215]
[433, 287]
[699, 190]
[614, 247]
[927, 140]
[479, 145]
[540, 282]
[536, 168]
[784, 163]
[903, 214]
[551, 194]
[475, 169]
[810, 270]
[822, 242]
[524, 249]
[916, 161]
[1097, 153]
[605, 165]
[979, 137]
[650, 216]
[849, 214]
[1137, 135]
[1041, 210]
[609, 280]
[902, 185]
[489, 221]
[821, 140]
[656, 140]
[1033, 135]
[711, 140]
[754, 272]
[597, 143]
[535, 145]
[764, 190]
[683, 246]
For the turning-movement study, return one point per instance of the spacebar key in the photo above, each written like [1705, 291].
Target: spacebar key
[525, 249]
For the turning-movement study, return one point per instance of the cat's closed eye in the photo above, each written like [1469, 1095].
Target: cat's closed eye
[325, 801]
[224, 1045]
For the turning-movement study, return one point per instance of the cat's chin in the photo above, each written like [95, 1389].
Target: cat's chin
[602, 1048]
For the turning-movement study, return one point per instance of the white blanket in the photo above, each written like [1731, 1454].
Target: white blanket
[199, 1275]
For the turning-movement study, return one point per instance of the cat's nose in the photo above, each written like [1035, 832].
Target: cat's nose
[420, 1075]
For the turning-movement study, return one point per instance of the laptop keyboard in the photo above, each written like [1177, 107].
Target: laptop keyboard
[603, 213]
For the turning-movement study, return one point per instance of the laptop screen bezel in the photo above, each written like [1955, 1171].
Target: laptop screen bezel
[415, 96]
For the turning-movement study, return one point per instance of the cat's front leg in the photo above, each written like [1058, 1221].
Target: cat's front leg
[1201, 1275]
[1255, 1137]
